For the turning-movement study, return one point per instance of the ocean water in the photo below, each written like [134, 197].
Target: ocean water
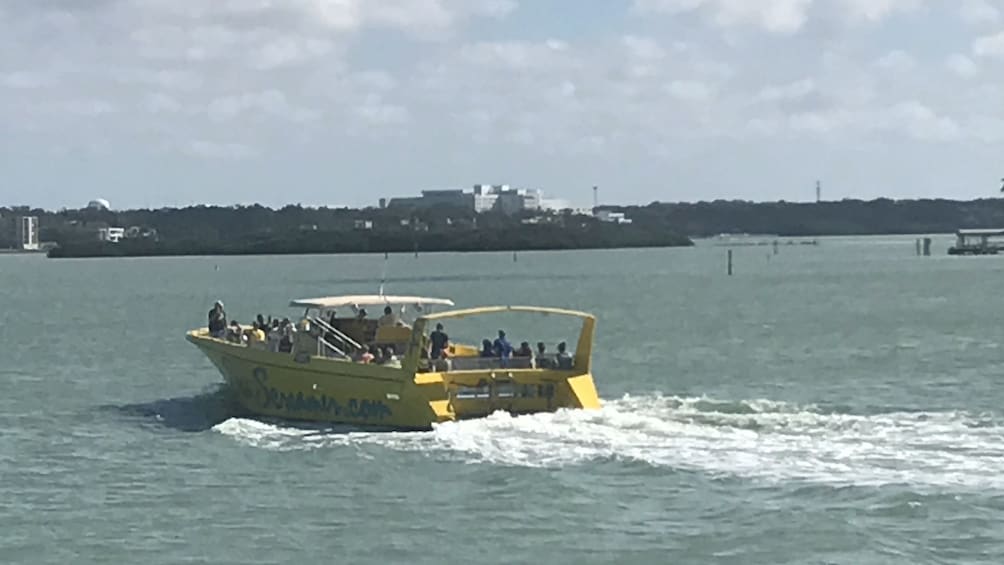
[839, 403]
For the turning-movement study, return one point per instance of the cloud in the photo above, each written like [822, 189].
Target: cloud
[690, 90]
[25, 80]
[216, 150]
[962, 66]
[897, 60]
[457, 89]
[978, 12]
[782, 16]
[778, 16]
[989, 46]
[790, 91]
[269, 102]
[921, 122]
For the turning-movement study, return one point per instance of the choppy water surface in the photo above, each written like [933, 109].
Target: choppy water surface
[830, 404]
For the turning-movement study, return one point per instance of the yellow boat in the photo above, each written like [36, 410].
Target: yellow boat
[323, 375]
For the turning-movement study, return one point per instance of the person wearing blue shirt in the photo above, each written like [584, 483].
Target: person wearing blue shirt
[502, 347]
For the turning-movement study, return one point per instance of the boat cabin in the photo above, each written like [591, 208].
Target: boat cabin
[351, 323]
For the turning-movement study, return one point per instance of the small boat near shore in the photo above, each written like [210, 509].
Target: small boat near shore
[326, 371]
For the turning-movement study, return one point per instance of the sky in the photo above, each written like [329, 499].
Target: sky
[152, 103]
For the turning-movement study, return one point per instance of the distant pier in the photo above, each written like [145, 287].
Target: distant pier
[767, 243]
[978, 242]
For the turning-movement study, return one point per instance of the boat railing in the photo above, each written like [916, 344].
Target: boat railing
[323, 347]
[495, 363]
[344, 339]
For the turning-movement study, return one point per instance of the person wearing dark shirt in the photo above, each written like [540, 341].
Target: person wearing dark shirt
[486, 348]
[439, 341]
[502, 347]
[564, 359]
[217, 320]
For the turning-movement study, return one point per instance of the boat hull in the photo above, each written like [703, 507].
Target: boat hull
[317, 389]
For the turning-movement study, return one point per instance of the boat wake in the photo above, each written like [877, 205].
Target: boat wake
[195, 413]
[753, 439]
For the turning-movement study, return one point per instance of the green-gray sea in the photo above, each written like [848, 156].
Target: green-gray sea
[839, 403]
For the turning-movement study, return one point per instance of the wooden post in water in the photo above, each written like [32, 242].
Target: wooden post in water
[927, 247]
[918, 246]
[730, 262]
[514, 257]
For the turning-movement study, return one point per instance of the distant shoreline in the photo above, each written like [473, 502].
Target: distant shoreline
[87, 250]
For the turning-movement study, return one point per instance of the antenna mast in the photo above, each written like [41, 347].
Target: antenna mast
[383, 275]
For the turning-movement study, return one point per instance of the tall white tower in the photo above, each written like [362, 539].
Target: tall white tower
[27, 232]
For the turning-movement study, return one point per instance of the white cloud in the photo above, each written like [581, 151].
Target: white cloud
[25, 80]
[977, 12]
[689, 90]
[519, 55]
[782, 16]
[449, 99]
[162, 104]
[989, 46]
[217, 150]
[962, 66]
[377, 113]
[778, 16]
[921, 122]
[790, 91]
[877, 10]
[897, 61]
[270, 102]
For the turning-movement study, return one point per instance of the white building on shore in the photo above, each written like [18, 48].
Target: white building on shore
[482, 198]
[111, 235]
[27, 233]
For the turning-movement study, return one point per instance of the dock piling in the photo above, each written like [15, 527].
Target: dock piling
[927, 247]
[730, 263]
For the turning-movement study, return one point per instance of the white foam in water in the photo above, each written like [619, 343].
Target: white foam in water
[757, 439]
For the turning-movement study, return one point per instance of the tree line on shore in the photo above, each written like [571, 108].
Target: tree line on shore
[201, 230]
[300, 229]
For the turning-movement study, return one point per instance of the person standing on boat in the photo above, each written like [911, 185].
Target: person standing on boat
[217, 321]
[502, 347]
[389, 318]
[439, 341]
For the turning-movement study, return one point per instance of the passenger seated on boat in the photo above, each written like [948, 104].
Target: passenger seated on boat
[235, 334]
[486, 348]
[524, 350]
[439, 342]
[255, 336]
[564, 359]
[544, 360]
[389, 357]
[217, 321]
[368, 355]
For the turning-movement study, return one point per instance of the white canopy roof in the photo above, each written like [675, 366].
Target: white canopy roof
[992, 231]
[328, 302]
